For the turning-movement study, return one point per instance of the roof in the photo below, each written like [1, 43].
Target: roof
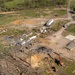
[70, 37]
[70, 45]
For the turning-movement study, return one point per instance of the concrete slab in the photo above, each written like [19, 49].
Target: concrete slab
[70, 37]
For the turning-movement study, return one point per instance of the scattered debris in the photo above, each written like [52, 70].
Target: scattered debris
[21, 39]
[2, 31]
[29, 34]
[33, 37]
[24, 42]
[43, 30]
[43, 49]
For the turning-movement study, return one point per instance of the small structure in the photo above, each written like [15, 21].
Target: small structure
[49, 22]
[71, 45]
[70, 37]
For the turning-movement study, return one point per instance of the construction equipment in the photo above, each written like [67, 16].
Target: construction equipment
[60, 59]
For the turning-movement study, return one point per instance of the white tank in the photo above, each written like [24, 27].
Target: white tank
[49, 22]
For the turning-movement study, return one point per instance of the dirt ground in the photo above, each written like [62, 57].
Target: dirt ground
[22, 61]
[58, 43]
[35, 22]
[7, 12]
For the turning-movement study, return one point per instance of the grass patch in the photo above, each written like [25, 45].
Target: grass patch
[73, 18]
[57, 25]
[12, 4]
[2, 15]
[73, 5]
[14, 32]
[59, 12]
[23, 14]
[68, 69]
[70, 30]
[4, 50]
[5, 19]
[71, 69]
[33, 13]
[37, 12]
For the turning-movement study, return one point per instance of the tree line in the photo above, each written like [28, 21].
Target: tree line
[30, 4]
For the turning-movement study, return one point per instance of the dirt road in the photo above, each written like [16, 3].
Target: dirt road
[68, 11]
[4, 13]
